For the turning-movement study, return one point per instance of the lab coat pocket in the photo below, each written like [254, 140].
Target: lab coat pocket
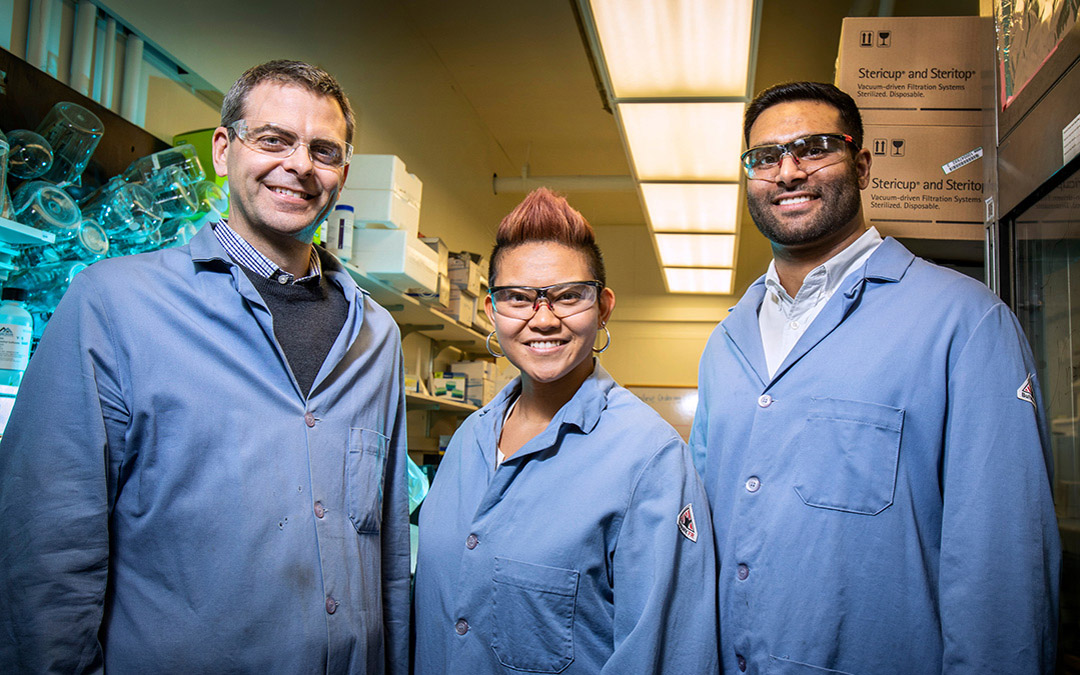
[365, 467]
[779, 666]
[533, 627]
[847, 455]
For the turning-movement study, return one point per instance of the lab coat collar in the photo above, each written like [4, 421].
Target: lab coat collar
[582, 411]
[887, 264]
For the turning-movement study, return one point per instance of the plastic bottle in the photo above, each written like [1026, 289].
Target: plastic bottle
[339, 232]
[16, 331]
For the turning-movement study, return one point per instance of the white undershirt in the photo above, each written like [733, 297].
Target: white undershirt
[783, 319]
[499, 456]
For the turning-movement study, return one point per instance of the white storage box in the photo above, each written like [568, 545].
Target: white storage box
[383, 193]
[396, 257]
[448, 385]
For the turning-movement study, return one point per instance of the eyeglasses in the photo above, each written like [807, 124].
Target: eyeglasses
[565, 299]
[278, 140]
[810, 153]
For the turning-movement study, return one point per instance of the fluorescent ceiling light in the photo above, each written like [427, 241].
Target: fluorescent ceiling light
[691, 207]
[699, 280]
[683, 141]
[684, 48]
[696, 250]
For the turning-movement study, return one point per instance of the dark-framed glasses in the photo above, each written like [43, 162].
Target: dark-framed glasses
[278, 140]
[565, 299]
[810, 153]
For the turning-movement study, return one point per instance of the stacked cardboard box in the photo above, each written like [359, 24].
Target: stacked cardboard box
[479, 380]
[925, 89]
[464, 273]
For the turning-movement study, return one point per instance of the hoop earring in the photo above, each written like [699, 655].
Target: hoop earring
[487, 343]
[607, 343]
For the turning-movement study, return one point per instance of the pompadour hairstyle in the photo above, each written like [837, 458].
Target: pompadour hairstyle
[546, 216]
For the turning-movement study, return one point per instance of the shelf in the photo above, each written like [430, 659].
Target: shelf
[415, 401]
[414, 316]
[17, 233]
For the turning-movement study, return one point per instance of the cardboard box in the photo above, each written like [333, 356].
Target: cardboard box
[448, 385]
[918, 70]
[925, 182]
[465, 272]
[396, 257]
[439, 246]
[479, 380]
[462, 305]
[383, 193]
[480, 320]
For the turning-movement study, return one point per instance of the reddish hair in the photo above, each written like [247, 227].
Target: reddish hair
[546, 216]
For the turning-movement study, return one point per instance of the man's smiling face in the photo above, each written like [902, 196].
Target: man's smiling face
[799, 209]
[276, 197]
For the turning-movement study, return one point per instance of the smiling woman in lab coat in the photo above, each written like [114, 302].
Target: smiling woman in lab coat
[566, 530]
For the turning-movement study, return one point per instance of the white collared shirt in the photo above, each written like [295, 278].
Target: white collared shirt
[783, 319]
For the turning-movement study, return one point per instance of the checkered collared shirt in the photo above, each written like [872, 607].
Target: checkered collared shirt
[244, 253]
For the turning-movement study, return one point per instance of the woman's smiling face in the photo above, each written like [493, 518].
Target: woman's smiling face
[545, 348]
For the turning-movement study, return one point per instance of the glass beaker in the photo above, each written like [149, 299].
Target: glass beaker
[213, 201]
[74, 133]
[173, 193]
[89, 245]
[123, 208]
[29, 155]
[45, 277]
[184, 156]
[42, 205]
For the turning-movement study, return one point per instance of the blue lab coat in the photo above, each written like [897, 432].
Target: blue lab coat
[568, 558]
[171, 503]
[882, 504]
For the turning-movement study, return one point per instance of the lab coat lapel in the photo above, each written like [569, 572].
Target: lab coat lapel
[742, 328]
[886, 265]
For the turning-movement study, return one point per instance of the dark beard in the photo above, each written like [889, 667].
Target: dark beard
[841, 199]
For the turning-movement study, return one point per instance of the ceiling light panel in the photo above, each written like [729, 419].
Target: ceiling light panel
[683, 141]
[699, 280]
[691, 207]
[696, 250]
[677, 48]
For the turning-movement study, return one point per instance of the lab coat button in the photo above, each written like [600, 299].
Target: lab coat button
[742, 572]
[741, 662]
[753, 484]
[319, 510]
[471, 541]
[309, 419]
[461, 627]
[331, 604]
[764, 400]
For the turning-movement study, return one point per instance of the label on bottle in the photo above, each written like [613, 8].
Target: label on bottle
[14, 346]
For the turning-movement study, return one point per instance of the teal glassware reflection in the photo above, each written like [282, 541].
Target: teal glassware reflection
[213, 200]
[147, 170]
[29, 155]
[123, 209]
[44, 277]
[43, 205]
[73, 132]
[89, 245]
